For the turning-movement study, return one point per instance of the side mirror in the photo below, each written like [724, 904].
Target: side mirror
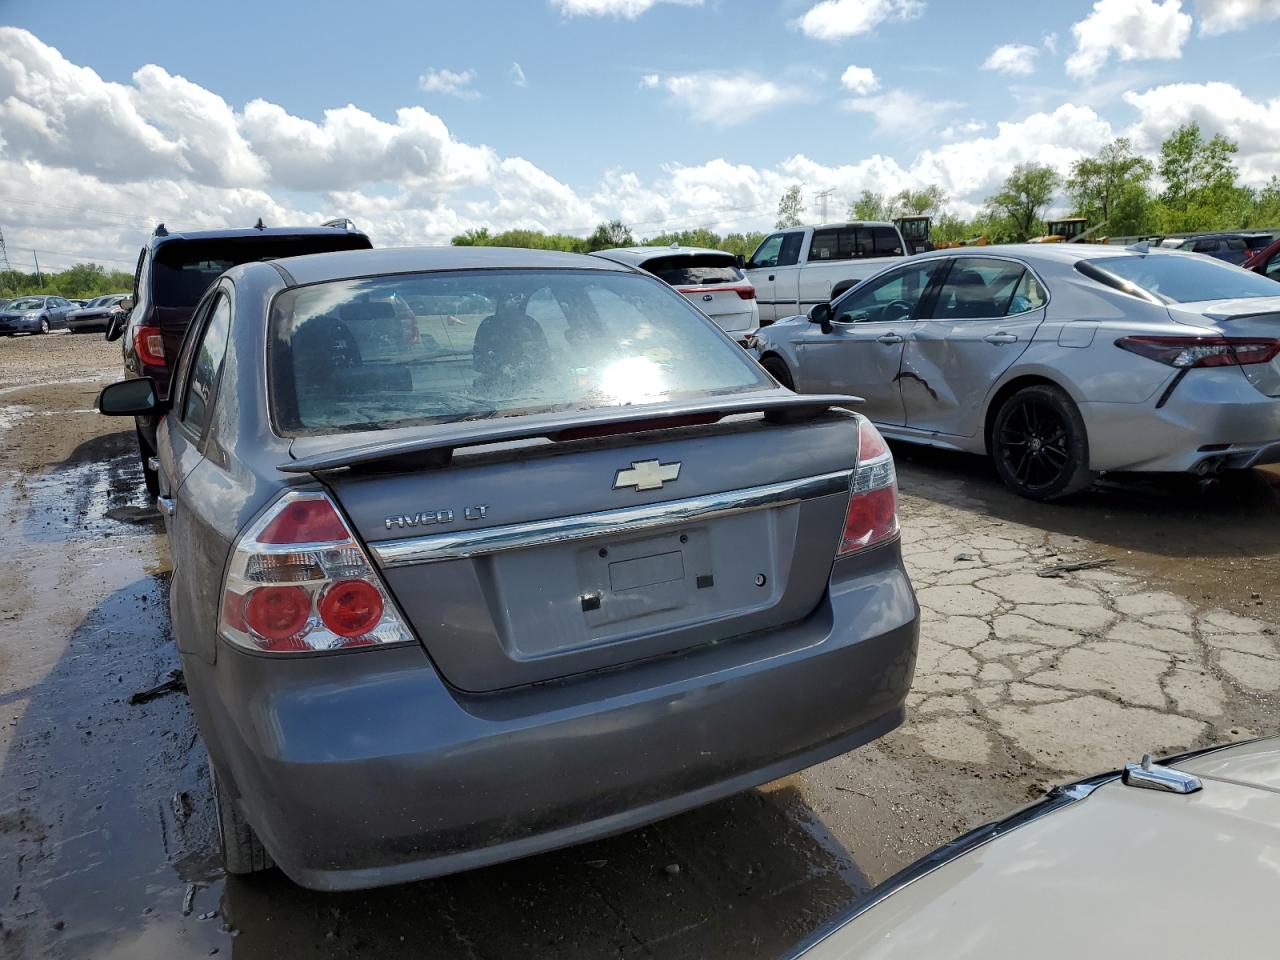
[740, 260]
[115, 326]
[129, 398]
[821, 314]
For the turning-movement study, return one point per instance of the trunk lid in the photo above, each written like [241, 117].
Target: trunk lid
[725, 305]
[536, 559]
[1251, 317]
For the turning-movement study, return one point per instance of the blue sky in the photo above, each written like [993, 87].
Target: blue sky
[667, 113]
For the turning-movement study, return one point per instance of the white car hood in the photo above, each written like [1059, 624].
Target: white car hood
[1123, 872]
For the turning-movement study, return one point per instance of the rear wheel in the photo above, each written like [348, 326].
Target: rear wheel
[150, 477]
[778, 370]
[1039, 444]
[242, 851]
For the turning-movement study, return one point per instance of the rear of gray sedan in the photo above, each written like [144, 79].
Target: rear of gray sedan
[570, 564]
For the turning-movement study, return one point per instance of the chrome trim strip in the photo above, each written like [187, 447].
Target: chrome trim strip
[461, 544]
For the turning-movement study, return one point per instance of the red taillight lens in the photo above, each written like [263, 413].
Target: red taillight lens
[305, 521]
[1187, 352]
[277, 614]
[299, 581]
[351, 608]
[872, 515]
[746, 293]
[149, 346]
[744, 290]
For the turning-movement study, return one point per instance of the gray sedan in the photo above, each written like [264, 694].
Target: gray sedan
[34, 315]
[1060, 361]
[568, 564]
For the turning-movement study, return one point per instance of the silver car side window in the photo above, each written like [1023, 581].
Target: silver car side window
[893, 297]
[981, 288]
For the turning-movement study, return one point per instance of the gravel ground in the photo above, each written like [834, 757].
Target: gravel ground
[1023, 681]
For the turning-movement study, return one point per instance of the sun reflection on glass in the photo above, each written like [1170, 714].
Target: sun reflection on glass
[633, 380]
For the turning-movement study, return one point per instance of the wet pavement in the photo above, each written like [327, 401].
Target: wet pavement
[107, 847]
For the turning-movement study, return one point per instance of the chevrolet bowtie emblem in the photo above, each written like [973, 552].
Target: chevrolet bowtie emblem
[646, 475]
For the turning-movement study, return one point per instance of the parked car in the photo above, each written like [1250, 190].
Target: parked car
[4, 302]
[1067, 876]
[97, 313]
[445, 612]
[792, 270]
[1230, 247]
[1266, 261]
[173, 272]
[709, 279]
[34, 315]
[1060, 361]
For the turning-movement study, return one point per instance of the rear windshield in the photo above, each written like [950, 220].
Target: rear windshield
[1257, 243]
[184, 269]
[1178, 279]
[696, 270]
[429, 348]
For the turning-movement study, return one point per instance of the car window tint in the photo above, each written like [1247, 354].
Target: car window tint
[1028, 296]
[694, 270]
[1206, 246]
[790, 252]
[977, 288]
[489, 343]
[1273, 267]
[1234, 243]
[832, 245]
[894, 296]
[766, 254]
[205, 364]
[1172, 278]
[880, 242]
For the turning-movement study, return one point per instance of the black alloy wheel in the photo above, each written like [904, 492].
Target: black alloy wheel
[1039, 444]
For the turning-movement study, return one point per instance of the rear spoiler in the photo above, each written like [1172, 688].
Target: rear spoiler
[435, 447]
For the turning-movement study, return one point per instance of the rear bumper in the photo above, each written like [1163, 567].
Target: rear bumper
[1216, 408]
[87, 323]
[387, 775]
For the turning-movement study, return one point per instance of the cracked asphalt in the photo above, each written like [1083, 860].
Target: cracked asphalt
[1165, 638]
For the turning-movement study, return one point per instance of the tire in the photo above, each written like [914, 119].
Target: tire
[44, 325]
[1040, 445]
[242, 851]
[149, 477]
[844, 286]
[778, 370]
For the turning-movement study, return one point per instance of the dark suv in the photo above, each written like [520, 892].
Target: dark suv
[173, 272]
[1231, 247]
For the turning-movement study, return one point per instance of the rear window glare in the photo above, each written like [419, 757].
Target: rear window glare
[385, 352]
[1165, 278]
[695, 270]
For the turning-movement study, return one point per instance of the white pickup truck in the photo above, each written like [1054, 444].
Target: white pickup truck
[794, 269]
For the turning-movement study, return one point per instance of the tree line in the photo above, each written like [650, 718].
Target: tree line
[84, 281]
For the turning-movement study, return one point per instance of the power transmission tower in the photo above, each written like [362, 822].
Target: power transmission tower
[822, 198]
[4, 259]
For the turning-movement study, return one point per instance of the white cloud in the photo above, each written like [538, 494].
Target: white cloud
[1128, 30]
[861, 80]
[839, 19]
[1225, 16]
[901, 112]
[1050, 43]
[966, 128]
[626, 9]
[516, 73]
[1217, 108]
[1013, 59]
[449, 82]
[724, 99]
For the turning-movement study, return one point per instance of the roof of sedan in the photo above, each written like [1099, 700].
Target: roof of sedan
[1061, 252]
[346, 264]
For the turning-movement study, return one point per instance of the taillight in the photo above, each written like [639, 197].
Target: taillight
[872, 515]
[149, 346]
[746, 293]
[299, 581]
[1184, 352]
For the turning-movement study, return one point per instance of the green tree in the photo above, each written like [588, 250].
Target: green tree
[1266, 205]
[1113, 187]
[870, 205]
[1016, 211]
[926, 202]
[1200, 188]
[741, 244]
[611, 233]
[790, 207]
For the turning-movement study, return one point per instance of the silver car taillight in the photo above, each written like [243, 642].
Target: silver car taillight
[299, 581]
[872, 515]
